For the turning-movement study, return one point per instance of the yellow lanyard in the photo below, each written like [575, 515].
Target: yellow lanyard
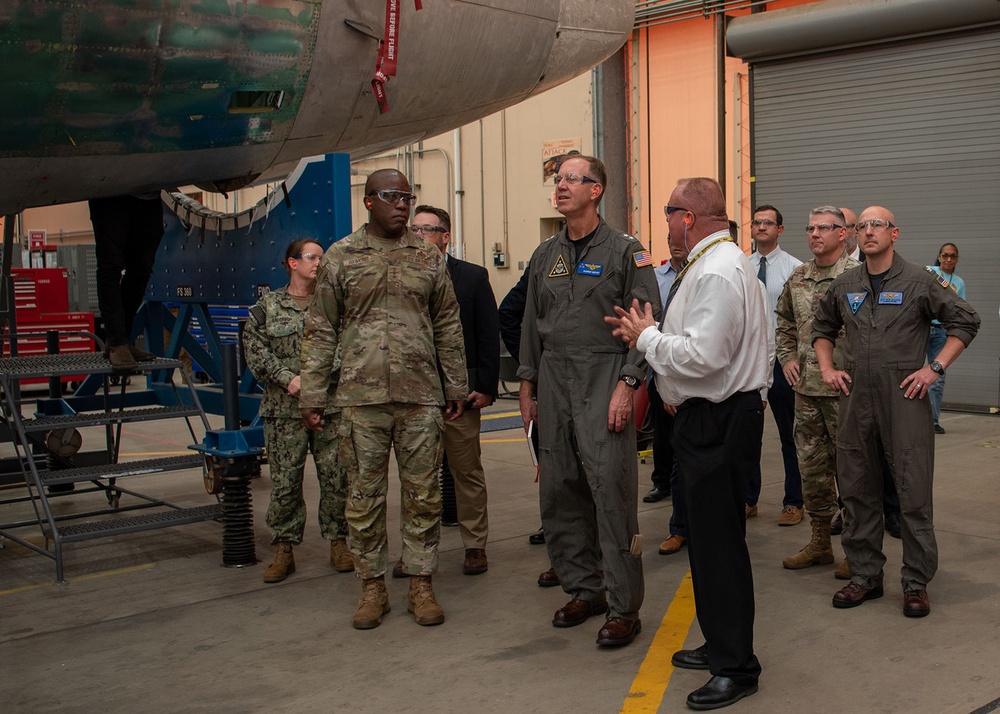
[699, 254]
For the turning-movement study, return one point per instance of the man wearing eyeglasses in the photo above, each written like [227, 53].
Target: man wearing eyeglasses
[885, 309]
[385, 304]
[481, 331]
[851, 246]
[773, 266]
[584, 380]
[712, 356]
[815, 403]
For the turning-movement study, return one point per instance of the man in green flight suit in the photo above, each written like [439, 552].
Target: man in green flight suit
[584, 378]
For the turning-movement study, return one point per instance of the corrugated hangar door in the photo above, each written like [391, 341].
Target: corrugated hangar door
[912, 125]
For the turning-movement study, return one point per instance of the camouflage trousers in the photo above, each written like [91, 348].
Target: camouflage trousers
[288, 442]
[816, 445]
[414, 433]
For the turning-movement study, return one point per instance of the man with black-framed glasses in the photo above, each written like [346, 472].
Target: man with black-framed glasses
[481, 331]
[383, 320]
[885, 308]
[773, 266]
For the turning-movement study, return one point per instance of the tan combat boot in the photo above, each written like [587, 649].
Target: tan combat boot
[422, 603]
[817, 551]
[373, 605]
[340, 556]
[283, 564]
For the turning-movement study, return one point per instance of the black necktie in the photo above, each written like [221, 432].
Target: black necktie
[762, 270]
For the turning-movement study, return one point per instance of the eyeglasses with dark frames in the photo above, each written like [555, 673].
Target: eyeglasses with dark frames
[766, 222]
[668, 210]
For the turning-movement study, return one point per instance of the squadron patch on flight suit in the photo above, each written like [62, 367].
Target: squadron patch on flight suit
[589, 268]
[855, 300]
[890, 298]
[559, 269]
[641, 258]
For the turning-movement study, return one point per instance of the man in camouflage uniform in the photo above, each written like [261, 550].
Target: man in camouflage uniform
[384, 296]
[272, 340]
[816, 404]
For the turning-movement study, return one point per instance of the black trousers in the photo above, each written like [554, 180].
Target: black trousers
[713, 444]
[663, 450]
[127, 233]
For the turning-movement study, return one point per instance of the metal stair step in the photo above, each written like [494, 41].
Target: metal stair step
[121, 470]
[143, 522]
[78, 363]
[125, 416]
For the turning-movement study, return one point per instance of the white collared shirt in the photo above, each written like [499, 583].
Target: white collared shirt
[715, 339]
[779, 266]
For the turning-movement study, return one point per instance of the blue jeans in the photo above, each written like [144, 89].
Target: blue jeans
[936, 391]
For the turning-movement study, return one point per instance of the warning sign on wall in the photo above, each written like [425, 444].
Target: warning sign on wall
[36, 240]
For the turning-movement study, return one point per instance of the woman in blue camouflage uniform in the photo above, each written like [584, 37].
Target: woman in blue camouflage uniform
[272, 341]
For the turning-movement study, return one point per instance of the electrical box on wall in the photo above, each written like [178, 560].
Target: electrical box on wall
[499, 256]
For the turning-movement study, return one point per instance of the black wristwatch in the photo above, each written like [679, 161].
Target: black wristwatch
[629, 380]
[936, 367]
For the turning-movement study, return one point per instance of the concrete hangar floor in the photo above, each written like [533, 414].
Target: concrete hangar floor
[153, 622]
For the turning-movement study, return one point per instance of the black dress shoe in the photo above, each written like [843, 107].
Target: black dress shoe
[537, 538]
[656, 494]
[691, 659]
[719, 692]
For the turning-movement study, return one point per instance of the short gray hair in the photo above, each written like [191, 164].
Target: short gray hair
[832, 210]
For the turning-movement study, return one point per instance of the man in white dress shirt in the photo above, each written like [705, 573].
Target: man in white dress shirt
[772, 266]
[713, 361]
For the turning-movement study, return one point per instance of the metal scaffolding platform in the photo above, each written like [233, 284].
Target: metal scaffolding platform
[47, 447]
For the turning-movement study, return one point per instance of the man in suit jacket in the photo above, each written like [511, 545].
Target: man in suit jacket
[481, 328]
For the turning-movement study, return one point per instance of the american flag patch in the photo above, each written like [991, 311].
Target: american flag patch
[641, 258]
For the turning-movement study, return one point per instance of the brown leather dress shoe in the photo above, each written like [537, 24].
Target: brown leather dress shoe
[672, 544]
[548, 579]
[618, 631]
[853, 595]
[475, 561]
[916, 603]
[576, 612]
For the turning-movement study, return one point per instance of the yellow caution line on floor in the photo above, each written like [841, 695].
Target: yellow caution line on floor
[653, 676]
[500, 415]
[93, 576]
